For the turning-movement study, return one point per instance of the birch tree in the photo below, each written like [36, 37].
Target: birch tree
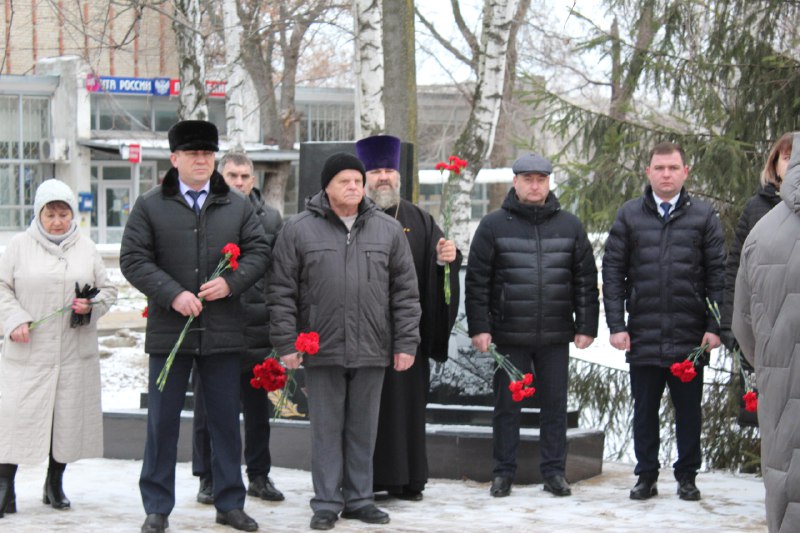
[193, 99]
[368, 66]
[241, 110]
[487, 57]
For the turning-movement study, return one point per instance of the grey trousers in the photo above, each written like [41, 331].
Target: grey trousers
[343, 405]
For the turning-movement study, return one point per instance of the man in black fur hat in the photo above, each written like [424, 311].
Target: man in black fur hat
[400, 460]
[172, 243]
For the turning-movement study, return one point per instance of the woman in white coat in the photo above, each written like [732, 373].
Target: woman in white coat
[50, 371]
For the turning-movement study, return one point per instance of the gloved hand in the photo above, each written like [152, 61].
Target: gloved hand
[87, 292]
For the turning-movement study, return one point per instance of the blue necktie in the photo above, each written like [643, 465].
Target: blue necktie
[665, 209]
[195, 199]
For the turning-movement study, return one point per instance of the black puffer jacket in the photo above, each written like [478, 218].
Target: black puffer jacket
[356, 288]
[662, 272]
[531, 276]
[167, 249]
[759, 205]
[254, 300]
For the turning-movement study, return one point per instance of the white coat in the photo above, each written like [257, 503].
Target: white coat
[50, 385]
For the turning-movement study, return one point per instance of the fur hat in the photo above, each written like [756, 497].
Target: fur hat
[532, 163]
[379, 151]
[54, 190]
[193, 135]
[338, 162]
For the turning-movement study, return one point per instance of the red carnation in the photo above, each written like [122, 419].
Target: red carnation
[515, 386]
[684, 371]
[307, 343]
[232, 251]
[750, 401]
[269, 375]
[144, 313]
[527, 379]
[517, 396]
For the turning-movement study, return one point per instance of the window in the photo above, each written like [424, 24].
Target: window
[326, 122]
[121, 112]
[26, 120]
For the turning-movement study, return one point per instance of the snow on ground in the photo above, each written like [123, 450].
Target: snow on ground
[105, 498]
[105, 492]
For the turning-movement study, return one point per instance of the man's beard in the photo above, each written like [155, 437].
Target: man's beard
[385, 198]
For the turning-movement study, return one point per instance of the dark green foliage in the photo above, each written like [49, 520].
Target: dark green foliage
[724, 87]
[602, 395]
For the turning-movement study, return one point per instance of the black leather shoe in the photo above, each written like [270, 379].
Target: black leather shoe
[688, 491]
[557, 485]
[407, 494]
[262, 487]
[501, 486]
[644, 489]
[323, 520]
[368, 514]
[205, 494]
[237, 519]
[155, 523]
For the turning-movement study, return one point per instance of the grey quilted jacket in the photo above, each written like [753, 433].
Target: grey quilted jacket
[357, 288]
[766, 322]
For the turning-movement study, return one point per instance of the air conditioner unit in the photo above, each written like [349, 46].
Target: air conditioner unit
[54, 150]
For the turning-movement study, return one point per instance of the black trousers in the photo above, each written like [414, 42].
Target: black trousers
[220, 377]
[550, 366]
[647, 386]
[257, 410]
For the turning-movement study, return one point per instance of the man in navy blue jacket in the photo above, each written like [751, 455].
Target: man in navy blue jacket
[665, 256]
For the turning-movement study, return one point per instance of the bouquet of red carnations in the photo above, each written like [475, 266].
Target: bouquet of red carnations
[271, 375]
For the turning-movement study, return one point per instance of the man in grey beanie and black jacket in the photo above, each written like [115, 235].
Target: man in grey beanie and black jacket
[343, 269]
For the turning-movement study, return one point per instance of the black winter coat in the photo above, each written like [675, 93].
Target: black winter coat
[531, 276]
[357, 288]
[254, 300]
[661, 272]
[759, 205]
[167, 249]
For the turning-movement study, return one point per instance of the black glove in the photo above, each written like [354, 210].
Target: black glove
[87, 292]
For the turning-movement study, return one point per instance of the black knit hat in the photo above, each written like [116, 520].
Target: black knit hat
[338, 162]
[193, 135]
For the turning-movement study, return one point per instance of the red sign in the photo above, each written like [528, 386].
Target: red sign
[215, 89]
[135, 153]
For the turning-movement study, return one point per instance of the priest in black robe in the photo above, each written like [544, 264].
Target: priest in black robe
[400, 459]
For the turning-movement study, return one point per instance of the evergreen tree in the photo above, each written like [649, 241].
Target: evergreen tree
[721, 77]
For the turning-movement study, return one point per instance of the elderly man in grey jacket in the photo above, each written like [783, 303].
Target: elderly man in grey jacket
[766, 322]
[343, 269]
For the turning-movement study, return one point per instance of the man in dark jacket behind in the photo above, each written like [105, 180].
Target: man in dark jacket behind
[343, 269]
[238, 172]
[171, 245]
[665, 256]
[531, 289]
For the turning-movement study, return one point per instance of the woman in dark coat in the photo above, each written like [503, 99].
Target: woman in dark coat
[767, 197]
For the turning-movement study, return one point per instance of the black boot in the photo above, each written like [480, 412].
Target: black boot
[53, 489]
[8, 499]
